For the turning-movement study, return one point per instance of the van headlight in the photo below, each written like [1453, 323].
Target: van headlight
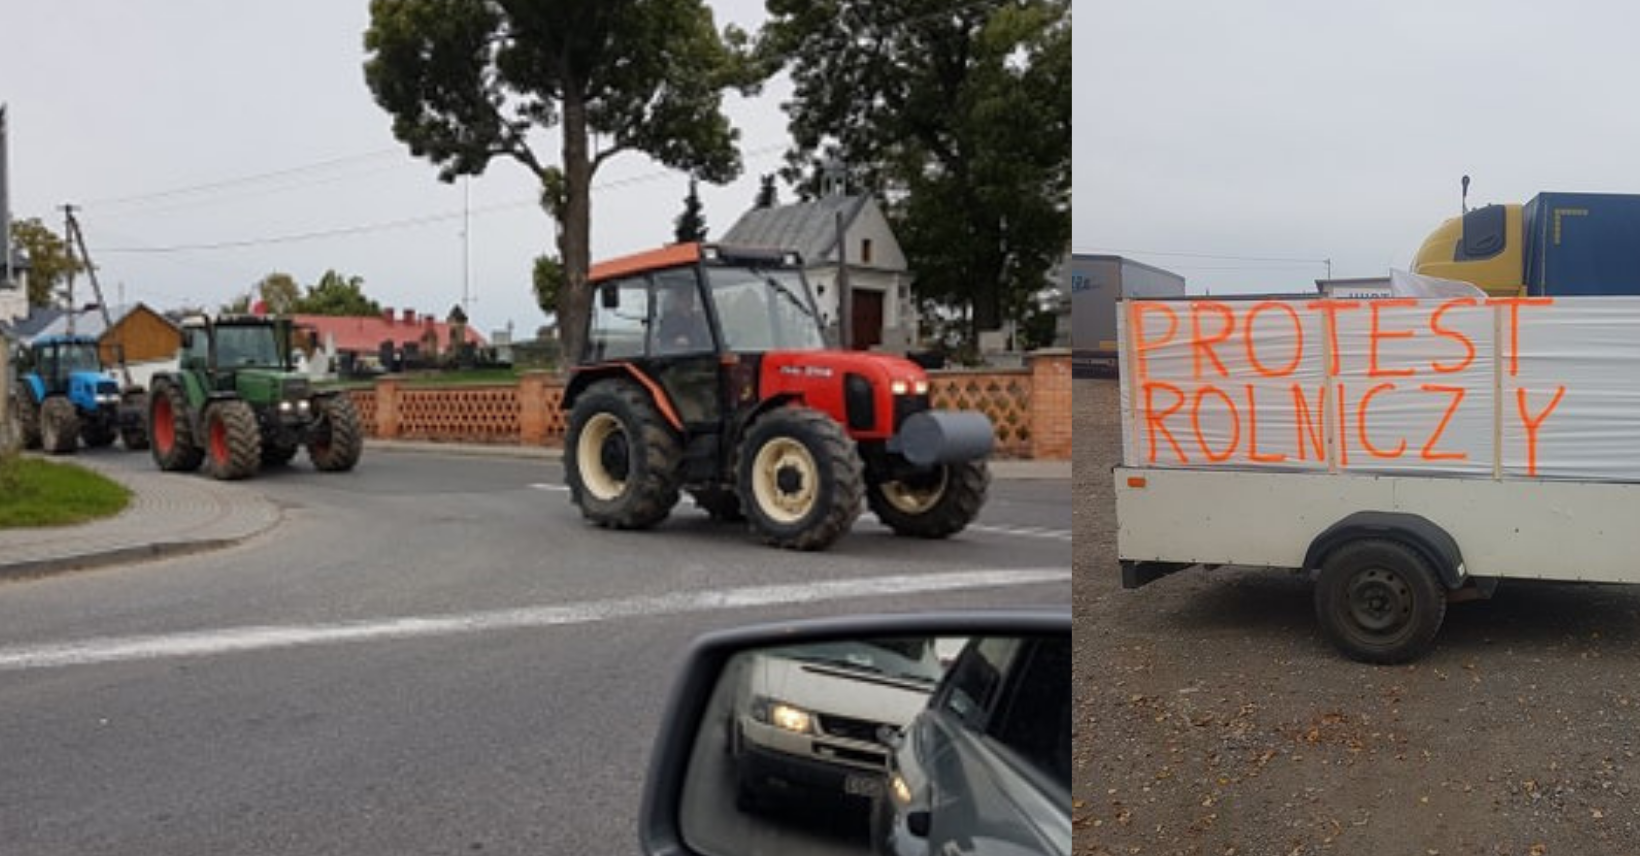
[781, 715]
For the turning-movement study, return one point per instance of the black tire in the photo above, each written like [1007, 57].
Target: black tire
[936, 504]
[1379, 601]
[720, 504]
[171, 430]
[621, 460]
[96, 433]
[233, 442]
[799, 478]
[337, 441]
[59, 426]
[133, 421]
[25, 415]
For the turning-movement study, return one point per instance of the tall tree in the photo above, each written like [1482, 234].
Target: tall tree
[961, 111]
[690, 225]
[280, 293]
[335, 294]
[467, 81]
[50, 262]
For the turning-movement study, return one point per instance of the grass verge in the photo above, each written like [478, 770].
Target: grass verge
[34, 492]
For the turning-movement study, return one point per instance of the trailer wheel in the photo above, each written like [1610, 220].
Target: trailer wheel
[1379, 601]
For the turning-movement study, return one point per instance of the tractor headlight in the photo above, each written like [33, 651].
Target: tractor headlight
[920, 387]
[304, 405]
[108, 399]
[287, 406]
[899, 387]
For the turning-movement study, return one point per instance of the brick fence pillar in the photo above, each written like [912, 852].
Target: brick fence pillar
[532, 409]
[1051, 404]
[387, 408]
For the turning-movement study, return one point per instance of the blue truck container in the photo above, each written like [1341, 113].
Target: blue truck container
[1582, 244]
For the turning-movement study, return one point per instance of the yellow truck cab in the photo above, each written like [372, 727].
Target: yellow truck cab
[1483, 247]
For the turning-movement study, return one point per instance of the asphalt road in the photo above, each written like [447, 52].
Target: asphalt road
[432, 654]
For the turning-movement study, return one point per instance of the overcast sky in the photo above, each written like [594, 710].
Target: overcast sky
[180, 124]
[1282, 129]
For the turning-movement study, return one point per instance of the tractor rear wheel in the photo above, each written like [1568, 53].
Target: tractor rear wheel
[25, 416]
[133, 430]
[233, 442]
[59, 425]
[936, 504]
[337, 440]
[799, 478]
[621, 460]
[171, 430]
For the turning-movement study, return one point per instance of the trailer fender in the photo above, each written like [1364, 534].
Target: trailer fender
[1438, 547]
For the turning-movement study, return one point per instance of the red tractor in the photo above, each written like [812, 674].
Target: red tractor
[706, 371]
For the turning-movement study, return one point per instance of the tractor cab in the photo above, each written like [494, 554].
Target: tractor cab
[706, 369]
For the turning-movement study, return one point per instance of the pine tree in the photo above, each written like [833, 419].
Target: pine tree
[691, 224]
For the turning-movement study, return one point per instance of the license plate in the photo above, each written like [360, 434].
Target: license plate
[859, 785]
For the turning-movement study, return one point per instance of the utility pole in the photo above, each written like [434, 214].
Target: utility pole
[68, 232]
[76, 238]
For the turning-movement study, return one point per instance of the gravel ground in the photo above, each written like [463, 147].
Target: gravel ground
[1212, 718]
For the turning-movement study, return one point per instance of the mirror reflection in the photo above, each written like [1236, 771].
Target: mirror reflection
[891, 745]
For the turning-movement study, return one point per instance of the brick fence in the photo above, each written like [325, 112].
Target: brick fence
[1031, 407]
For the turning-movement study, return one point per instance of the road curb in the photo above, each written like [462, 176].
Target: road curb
[37, 568]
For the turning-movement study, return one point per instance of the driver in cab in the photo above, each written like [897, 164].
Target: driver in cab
[682, 328]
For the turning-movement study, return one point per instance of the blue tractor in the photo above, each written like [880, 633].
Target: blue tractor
[63, 395]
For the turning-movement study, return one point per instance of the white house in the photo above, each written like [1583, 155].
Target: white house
[14, 295]
[884, 314]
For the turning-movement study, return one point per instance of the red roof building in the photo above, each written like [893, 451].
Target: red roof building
[365, 335]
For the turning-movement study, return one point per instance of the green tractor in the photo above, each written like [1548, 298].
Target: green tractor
[236, 404]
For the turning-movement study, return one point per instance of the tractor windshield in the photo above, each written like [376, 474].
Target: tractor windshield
[251, 345]
[79, 357]
[764, 310]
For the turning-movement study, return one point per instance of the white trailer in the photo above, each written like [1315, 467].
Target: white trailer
[1404, 453]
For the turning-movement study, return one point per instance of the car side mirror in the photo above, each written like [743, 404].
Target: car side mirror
[798, 737]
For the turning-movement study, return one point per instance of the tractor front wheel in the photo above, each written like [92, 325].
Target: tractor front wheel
[621, 460]
[935, 504]
[800, 479]
[25, 420]
[59, 426]
[171, 431]
[338, 440]
[133, 431]
[233, 442]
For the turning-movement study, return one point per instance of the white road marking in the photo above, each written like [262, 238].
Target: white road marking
[204, 643]
[556, 488]
[1025, 532]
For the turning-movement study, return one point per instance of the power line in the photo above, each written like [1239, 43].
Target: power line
[404, 223]
[247, 179]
